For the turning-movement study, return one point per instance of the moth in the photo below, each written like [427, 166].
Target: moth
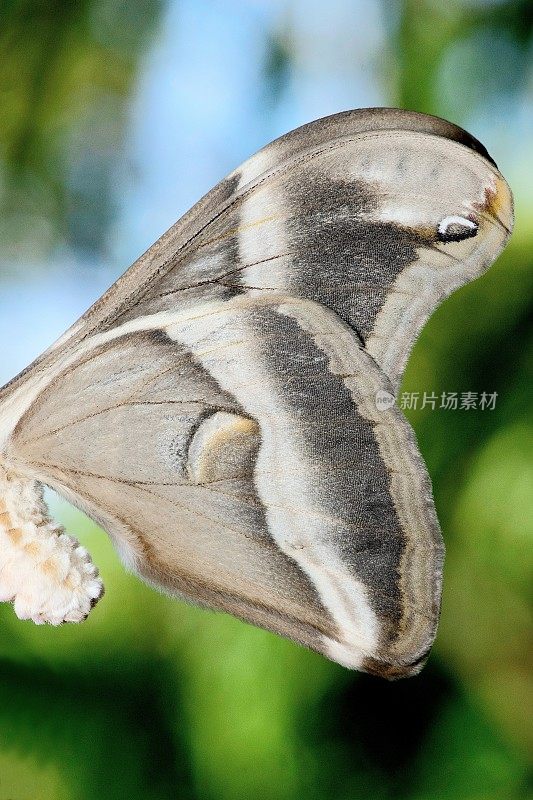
[225, 411]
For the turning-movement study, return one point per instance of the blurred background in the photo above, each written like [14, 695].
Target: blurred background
[115, 117]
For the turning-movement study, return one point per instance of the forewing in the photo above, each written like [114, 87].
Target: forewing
[345, 211]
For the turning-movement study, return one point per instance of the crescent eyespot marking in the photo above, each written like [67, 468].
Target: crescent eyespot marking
[226, 410]
[455, 228]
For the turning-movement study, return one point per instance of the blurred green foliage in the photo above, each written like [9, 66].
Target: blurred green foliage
[66, 71]
[153, 699]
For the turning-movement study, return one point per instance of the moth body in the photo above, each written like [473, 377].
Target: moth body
[45, 573]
